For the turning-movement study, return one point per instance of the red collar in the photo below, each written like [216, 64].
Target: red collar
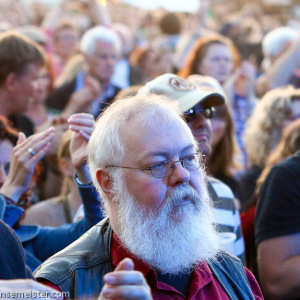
[202, 274]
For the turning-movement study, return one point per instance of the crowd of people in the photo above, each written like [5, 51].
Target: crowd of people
[149, 154]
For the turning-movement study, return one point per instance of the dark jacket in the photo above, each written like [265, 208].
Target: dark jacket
[79, 269]
[12, 257]
[57, 101]
[41, 242]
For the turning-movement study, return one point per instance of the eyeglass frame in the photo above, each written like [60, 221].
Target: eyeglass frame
[172, 166]
[191, 114]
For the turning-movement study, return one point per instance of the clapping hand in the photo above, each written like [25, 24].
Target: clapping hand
[125, 283]
[82, 125]
[25, 155]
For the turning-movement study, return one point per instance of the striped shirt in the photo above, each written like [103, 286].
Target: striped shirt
[226, 215]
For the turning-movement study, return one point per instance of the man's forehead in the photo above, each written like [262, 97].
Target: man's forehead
[171, 134]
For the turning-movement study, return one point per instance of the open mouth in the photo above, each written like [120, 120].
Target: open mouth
[184, 201]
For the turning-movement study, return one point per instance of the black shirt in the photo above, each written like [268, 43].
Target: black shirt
[278, 210]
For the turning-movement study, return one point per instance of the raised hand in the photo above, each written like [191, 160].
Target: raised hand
[82, 99]
[82, 126]
[26, 154]
[125, 283]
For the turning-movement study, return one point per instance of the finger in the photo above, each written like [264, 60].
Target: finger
[37, 140]
[84, 135]
[126, 292]
[83, 122]
[81, 116]
[34, 150]
[21, 138]
[124, 278]
[87, 130]
[36, 137]
[126, 264]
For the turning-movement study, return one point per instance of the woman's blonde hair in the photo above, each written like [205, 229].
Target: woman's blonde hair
[264, 127]
[289, 144]
[64, 152]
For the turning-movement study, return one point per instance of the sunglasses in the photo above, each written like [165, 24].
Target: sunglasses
[192, 113]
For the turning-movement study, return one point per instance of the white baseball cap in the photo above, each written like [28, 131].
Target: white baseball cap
[181, 90]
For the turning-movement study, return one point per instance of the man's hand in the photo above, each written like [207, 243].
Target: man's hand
[82, 126]
[26, 154]
[81, 100]
[241, 81]
[125, 283]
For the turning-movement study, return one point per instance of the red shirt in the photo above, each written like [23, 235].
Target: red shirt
[203, 286]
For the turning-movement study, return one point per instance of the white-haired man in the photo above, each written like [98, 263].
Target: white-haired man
[281, 60]
[159, 241]
[91, 90]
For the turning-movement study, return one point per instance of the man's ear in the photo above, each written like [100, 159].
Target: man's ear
[105, 182]
[10, 81]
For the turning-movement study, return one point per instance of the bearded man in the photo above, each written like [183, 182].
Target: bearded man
[158, 241]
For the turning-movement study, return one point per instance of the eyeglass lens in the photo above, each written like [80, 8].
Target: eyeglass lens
[192, 113]
[190, 163]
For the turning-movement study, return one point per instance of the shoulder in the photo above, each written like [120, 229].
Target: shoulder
[92, 249]
[46, 213]
[221, 189]
[283, 176]
[221, 194]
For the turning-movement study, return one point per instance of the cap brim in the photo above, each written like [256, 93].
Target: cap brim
[208, 99]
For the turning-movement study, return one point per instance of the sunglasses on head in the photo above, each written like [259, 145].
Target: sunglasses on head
[192, 113]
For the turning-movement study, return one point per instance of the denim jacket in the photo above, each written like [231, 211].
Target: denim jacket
[78, 270]
[41, 242]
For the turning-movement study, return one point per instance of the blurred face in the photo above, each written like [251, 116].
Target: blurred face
[218, 128]
[102, 63]
[148, 64]
[25, 87]
[294, 115]
[43, 86]
[66, 42]
[202, 131]
[6, 148]
[217, 62]
[165, 63]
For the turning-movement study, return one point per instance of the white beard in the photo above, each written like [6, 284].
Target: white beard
[172, 239]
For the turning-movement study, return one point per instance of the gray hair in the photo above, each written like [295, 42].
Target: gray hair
[106, 145]
[264, 127]
[273, 41]
[98, 33]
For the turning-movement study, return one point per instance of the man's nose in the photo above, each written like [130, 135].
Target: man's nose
[112, 60]
[179, 175]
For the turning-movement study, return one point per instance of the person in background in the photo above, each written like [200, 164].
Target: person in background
[67, 207]
[20, 63]
[223, 161]
[91, 90]
[17, 167]
[276, 220]
[276, 110]
[216, 56]
[281, 60]
[16, 278]
[143, 58]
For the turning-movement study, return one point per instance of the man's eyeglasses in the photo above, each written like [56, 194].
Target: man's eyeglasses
[165, 168]
[192, 113]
